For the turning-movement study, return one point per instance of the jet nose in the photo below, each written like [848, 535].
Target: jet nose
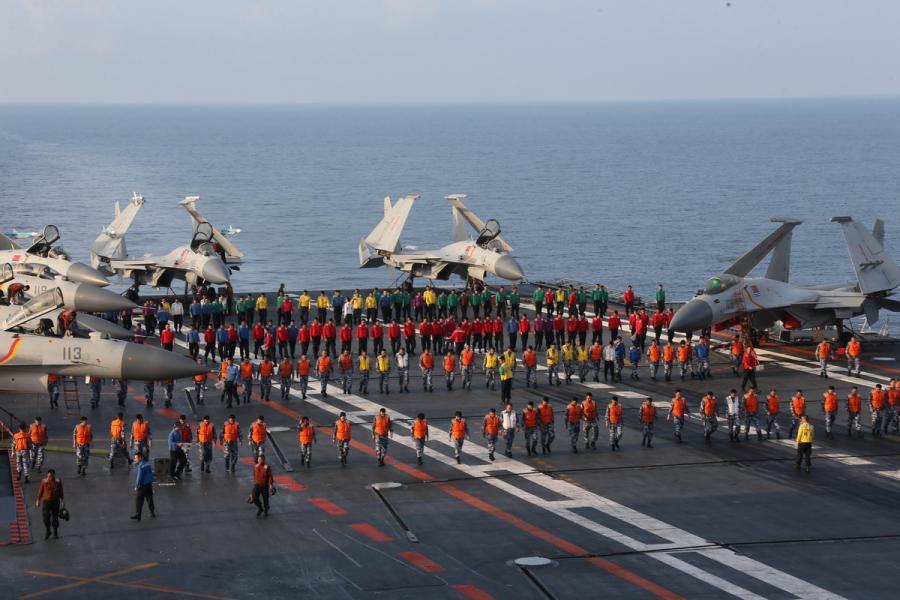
[147, 362]
[215, 271]
[694, 315]
[507, 268]
[85, 274]
[90, 298]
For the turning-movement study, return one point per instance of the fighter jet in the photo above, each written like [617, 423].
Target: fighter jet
[21, 235]
[732, 297]
[58, 317]
[42, 252]
[466, 256]
[33, 279]
[205, 259]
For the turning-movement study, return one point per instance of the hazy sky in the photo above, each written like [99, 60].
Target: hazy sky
[444, 50]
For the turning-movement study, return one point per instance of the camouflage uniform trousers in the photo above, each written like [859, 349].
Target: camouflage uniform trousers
[852, 365]
[531, 438]
[615, 433]
[710, 424]
[265, 387]
[772, 421]
[574, 430]
[548, 434]
[491, 442]
[591, 432]
[204, 450]
[568, 370]
[143, 447]
[248, 389]
[37, 455]
[509, 435]
[877, 419]
[647, 429]
[305, 454]
[381, 446]
[830, 417]
[490, 378]
[82, 456]
[285, 387]
[347, 381]
[22, 462]
[403, 376]
[257, 449]
[734, 425]
[420, 446]
[364, 382]
[343, 449]
[200, 391]
[553, 374]
[117, 446]
[582, 371]
[751, 419]
[678, 424]
[304, 385]
[458, 447]
[467, 376]
[654, 369]
[531, 377]
[427, 380]
[231, 455]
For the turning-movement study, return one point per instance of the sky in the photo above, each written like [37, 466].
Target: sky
[444, 51]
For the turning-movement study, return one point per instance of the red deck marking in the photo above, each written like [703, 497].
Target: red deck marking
[376, 535]
[330, 507]
[289, 483]
[421, 561]
[467, 590]
[630, 576]
[247, 460]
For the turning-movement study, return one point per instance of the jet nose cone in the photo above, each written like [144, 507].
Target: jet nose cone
[85, 274]
[146, 362]
[507, 268]
[93, 299]
[215, 271]
[694, 315]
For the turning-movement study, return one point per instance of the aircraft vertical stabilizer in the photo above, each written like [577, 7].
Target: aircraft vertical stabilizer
[742, 266]
[110, 243]
[386, 235]
[875, 271]
[780, 264]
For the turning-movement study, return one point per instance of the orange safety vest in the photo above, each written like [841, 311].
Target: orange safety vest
[678, 407]
[205, 433]
[20, 441]
[877, 399]
[709, 407]
[345, 362]
[140, 430]
[51, 378]
[798, 405]
[529, 418]
[258, 432]
[466, 357]
[491, 424]
[653, 354]
[200, 378]
[230, 431]
[458, 429]
[546, 414]
[648, 413]
[38, 434]
[342, 430]
[266, 368]
[668, 354]
[853, 348]
[306, 434]
[589, 410]
[854, 402]
[427, 360]
[83, 434]
[737, 348]
[303, 366]
[829, 401]
[683, 353]
[116, 427]
[530, 358]
[449, 363]
[284, 369]
[823, 350]
[324, 364]
[894, 396]
[223, 370]
[246, 370]
[573, 413]
[773, 404]
[420, 429]
[615, 413]
[381, 425]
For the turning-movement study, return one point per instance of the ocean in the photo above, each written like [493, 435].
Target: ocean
[618, 193]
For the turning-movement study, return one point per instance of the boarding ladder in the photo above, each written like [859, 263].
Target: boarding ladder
[70, 395]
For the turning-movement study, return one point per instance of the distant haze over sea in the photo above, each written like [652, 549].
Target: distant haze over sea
[619, 193]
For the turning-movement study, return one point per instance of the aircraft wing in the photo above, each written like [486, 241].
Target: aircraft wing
[840, 300]
[232, 254]
[6, 243]
[147, 264]
[742, 266]
[463, 213]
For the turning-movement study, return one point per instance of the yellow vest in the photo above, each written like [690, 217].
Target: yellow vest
[371, 302]
[323, 302]
[303, 301]
[582, 354]
[805, 433]
[384, 364]
[509, 358]
[365, 363]
[505, 373]
[356, 302]
[568, 352]
[491, 361]
[552, 356]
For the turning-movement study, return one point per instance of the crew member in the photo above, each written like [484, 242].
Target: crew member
[306, 436]
[530, 423]
[548, 425]
[648, 418]
[143, 486]
[258, 437]
[206, 435]
[22, 451]
[751, 414]
[263, 486]
[708, 409]
[37, 435]
[805, 434]
[419, 433]
[459, 433]
[509, 423]
[491, 430]
[51, 495]
[231, 439]
[382, 431]
[81, 441]
[614, 422]
[773, 407]
[677, 412]
[341, 437]
[829, 409]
